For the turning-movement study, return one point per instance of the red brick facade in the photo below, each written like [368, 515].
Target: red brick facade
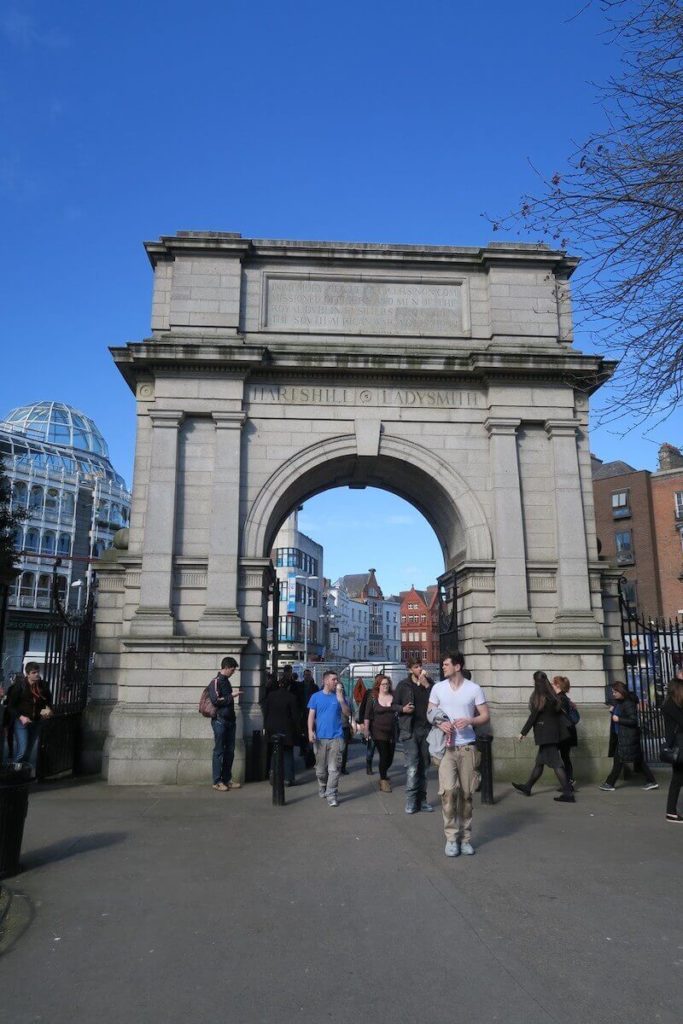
[639, 520]
[420, 624]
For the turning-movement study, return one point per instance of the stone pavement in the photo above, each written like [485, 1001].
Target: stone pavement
[180, 904]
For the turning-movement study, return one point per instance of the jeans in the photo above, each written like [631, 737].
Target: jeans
[640, 765]
[26, 739]
[416, 758]
[223, 749]
[328, 758]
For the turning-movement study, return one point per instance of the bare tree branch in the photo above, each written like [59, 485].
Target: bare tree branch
[619, 205]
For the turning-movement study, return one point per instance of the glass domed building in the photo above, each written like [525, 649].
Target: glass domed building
[58, 465]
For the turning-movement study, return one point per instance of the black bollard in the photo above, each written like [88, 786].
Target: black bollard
[277, 770]
[486, 789]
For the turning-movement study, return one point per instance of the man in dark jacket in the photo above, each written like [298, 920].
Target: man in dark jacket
[222, 696]
[281, 715]
[411, 699]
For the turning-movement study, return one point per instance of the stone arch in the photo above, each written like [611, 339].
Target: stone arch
[403, 467]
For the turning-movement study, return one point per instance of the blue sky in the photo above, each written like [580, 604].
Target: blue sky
[373, 120]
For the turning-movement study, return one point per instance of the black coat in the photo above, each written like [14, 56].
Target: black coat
[550, 724]
[281, 714]
[20, 700]
[572, 740]
[673, 722]
[405, 694]
[625, 743]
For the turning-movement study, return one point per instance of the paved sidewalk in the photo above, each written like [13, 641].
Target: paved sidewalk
[180, 905]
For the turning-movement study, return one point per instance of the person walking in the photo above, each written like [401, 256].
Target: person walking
[624, 740]
[457, 706]
[551, 727]
[672, 710]
[281, 717]
[222, 696]
[380, 725]
[562, 686]
[346, 730]
[29, 703]
[327, 710]
[411, 701]
[360, 720]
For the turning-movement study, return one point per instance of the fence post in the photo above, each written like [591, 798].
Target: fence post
[277, 768]
[484, 746]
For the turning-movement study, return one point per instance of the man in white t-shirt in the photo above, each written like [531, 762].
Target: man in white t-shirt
[463, 703]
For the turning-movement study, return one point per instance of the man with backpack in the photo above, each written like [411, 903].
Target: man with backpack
[222, 696]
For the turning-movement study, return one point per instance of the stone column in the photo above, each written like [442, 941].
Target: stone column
[511, 617]
[221, 617]
[154, 616]
[574, 613]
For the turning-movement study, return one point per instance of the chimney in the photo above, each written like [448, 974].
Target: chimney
[670, 457]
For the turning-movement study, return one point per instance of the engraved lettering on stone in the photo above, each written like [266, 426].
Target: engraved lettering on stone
[416, 398]
[362, 307]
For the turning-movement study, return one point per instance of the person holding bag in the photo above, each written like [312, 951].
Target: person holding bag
[672, 710]
[561, 686]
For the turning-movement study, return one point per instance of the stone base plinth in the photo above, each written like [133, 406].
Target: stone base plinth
[513, 760]
[165, 744]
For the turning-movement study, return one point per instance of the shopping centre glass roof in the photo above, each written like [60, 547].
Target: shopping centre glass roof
[60, 424]
[54, 437]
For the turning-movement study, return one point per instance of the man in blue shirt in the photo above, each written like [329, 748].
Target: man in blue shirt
[326, 713]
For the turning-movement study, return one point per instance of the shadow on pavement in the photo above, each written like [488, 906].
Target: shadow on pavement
[71, 847]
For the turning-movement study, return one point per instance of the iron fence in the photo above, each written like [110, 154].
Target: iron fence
[653, 651]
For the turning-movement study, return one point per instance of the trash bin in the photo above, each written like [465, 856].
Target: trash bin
[14, 785]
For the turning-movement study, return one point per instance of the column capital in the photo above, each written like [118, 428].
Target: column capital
[501, 425]
[228, 419]
[561, 428]
[171, 418]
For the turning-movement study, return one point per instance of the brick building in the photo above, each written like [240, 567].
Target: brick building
[420, 624]
[639, 521]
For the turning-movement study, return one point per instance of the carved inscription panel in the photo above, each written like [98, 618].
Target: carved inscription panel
[409, 398]
[342, 305]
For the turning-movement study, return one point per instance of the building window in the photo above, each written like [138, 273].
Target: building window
[35, 502]
[32, 540]
[678, 504]
[19, 495]
[620, 505]
[624, 546]
[64, 544]
[48, 545]
[26, 591]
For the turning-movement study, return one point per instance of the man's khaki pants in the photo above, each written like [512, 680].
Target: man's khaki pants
[458, 779]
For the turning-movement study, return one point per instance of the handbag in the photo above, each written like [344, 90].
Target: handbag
[672, 755]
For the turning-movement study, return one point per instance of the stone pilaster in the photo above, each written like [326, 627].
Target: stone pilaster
[512, 616]
[221, 617]
[574, 612]
[256, 576]
[154, 616]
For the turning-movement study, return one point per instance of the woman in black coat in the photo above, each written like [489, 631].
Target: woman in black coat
[550, 726]
[30, 703]
[281, 715]
[672, 710]
[624, 738]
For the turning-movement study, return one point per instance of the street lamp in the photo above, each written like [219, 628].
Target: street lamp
[305, 615]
